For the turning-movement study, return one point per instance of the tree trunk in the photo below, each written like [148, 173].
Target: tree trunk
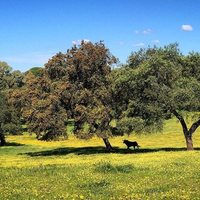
[189, 143]
[49, 136]
[187, 133]
[2, 139]
[108, 145]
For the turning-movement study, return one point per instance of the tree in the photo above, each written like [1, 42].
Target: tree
[5, 70]
[40, 106]
[2, 136]
[9, 120]
[161, 83]
[87, 98]
[8, 78]
[2, 139]
[9, 117]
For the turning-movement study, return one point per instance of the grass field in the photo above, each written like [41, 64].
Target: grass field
[78, 169]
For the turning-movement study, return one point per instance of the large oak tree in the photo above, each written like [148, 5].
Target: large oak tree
[87, 99]
[158, 83]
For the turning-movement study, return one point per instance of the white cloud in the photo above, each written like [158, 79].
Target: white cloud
[155, 41]
[144, 32]
[78, 42]
[187, 27]
[86, 40]
[141, 44]
[147, 31]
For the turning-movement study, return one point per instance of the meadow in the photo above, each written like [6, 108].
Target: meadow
[81, 169]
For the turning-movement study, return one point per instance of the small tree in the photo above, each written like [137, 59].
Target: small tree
[9, 116]
[9, 120]
[40, 106]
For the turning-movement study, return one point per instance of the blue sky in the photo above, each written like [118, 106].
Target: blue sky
[31, 31]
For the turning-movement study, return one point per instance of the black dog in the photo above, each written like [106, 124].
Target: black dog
[129, 144]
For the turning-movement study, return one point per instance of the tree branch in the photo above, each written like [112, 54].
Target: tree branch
[182, 121]
[194, 126]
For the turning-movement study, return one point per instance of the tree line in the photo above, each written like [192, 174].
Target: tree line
[155, 84]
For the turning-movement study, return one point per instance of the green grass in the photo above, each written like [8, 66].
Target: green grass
[79, 169]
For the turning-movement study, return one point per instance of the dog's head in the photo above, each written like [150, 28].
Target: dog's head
[125, 141]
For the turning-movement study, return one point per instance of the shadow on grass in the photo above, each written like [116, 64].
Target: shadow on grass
[13, 144]
[98, 150]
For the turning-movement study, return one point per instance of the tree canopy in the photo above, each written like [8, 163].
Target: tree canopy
[159, 82]
[84, 69]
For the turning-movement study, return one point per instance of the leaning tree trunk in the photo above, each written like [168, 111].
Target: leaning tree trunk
[187, 132]
[108, 145]
[2, 139]
[189, 142]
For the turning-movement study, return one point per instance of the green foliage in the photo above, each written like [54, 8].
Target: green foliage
[36, 71]
[9, 120]
[9, 116]
[4, 74]
[128, 124]
[191, 66]
[156, 83]
[8, 78]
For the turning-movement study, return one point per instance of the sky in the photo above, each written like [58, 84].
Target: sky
[32, 31]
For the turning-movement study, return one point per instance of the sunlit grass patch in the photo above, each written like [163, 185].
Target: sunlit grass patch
[82, 169]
